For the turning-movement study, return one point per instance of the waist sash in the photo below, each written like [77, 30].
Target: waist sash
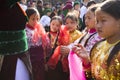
[13, 42]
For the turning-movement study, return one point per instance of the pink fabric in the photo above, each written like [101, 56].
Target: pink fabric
[92, 30]
[75, 67]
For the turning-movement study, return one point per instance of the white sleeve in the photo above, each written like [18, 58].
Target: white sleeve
[83, 11]
[42, 21]
[74, 43]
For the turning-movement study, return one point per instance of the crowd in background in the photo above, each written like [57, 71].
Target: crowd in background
[47, 10]
[73, 40]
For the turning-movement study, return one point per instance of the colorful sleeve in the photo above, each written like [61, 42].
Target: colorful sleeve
[114, 68]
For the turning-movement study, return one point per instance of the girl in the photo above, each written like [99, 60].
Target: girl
[76, 5]
[71, 23]
[90, 36]
[55, 25]
[68, 34]
[105, 56]
[37, 41]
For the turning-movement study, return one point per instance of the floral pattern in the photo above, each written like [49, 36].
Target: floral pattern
[100, 69]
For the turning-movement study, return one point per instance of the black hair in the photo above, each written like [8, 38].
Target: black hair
[93, 7]
[39, 2]
[103, 0]
[31, 11]
[90, 3]
[72, 16]
[111, 7]
[57, 18]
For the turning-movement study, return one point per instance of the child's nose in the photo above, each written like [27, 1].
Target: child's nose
[86, 21]
[69, 25]
[36, 21]
[98, 25]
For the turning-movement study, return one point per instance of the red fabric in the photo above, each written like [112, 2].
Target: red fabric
[39, 31]
[63, 40]
[55, 58]
[92, 30]
[64, 36]
[65, 64]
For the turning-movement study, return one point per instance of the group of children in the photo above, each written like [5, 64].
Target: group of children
[59, 36]
[65, 53]
[94, 47]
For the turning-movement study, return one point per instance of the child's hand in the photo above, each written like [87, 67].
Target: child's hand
[64, 50]
[81, 52]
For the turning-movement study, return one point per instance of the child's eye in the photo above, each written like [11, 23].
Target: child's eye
[87, 17]
[72, 22]
[37, 19]
[66, 23]
[103, 20]
[33, 19]
[53, 23]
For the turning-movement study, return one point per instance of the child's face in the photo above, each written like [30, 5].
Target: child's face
[71, 25]
[55, 25]
[90, 19]
[77, 7]
[48, 6]
[48, 13]
[106, 25]
[33, 19]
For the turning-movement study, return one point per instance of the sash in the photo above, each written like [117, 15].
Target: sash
[13, 42]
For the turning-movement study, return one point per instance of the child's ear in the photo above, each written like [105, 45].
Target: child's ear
[118, 23]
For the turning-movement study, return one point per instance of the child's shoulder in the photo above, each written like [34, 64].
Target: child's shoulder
[78, 32]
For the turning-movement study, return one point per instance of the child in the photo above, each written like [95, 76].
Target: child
[68, 34]
[55, 25]
[37, 42]
[67, 8]
[76, 5]
[90, 36]
[71, 24]
[104, 61]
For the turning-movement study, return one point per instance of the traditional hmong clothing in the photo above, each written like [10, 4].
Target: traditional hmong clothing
[58, 64]
[105, 62]
[52, 36]
[87, 40]
[52, 74]
[14, 59]
[37, 40]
